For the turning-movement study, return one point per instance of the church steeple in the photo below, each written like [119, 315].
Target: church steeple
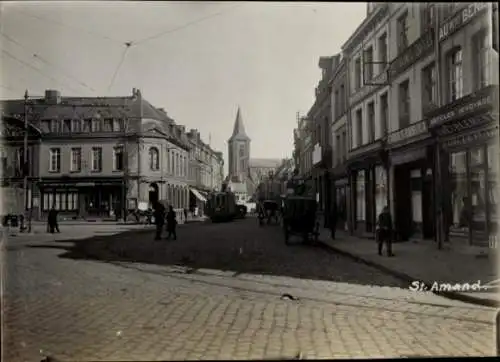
[239, 129]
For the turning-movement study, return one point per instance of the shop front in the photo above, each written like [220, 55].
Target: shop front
[366, 167]
[81, 198]
[467, 136]
[411, 158]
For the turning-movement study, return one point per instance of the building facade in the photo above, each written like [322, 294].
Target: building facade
[367, 56]
[320, 115]
[205, 170]
[340, 145]
[465, 125]
[102, 157]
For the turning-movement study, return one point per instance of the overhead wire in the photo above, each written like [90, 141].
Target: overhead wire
[190, 23]
[122, 59]
[45, 61]
[35, 69]
[59, 23]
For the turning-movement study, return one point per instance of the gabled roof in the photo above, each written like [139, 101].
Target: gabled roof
[239, 129]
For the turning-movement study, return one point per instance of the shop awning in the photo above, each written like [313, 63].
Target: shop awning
[198, 195]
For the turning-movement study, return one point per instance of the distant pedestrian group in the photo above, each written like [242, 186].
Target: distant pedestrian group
[161, 216]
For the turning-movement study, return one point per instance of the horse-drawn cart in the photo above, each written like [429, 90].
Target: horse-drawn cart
[300, 218]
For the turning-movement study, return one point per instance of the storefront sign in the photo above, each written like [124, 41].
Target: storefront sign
[403, 157]
[464, 125]
[472, 138]
[471, 106]
[420, 48]
[460, 19]
[413, 130]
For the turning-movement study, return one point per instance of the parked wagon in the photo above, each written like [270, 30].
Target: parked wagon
[299, 218]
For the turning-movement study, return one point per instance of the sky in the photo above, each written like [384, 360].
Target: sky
[198, 60]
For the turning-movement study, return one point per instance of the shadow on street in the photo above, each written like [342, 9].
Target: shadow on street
[241, 246]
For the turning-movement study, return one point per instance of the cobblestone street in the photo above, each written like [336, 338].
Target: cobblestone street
[217, 293]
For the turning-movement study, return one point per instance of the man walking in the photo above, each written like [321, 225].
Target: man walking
[171, 223]
[384, 232]
[159, 215]
[53, 225]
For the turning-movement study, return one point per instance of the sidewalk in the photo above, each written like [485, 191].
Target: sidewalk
[421, 261]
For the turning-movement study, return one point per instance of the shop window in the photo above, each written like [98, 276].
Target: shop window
[493, 165]
[460, 219]
[455, 75]
[380, 189]
[360, 197]
[478, 193]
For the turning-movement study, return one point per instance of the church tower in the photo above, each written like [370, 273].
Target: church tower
[239, 150]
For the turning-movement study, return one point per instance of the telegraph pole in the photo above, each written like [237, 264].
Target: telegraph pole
[25, 167]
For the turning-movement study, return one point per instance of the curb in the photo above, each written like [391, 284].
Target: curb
[486, 302]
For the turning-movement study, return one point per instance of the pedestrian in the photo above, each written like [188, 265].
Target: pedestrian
[171, 223]
[53, 225]
[333, 221]
[185, 214]
[384, 231]
[159, 215]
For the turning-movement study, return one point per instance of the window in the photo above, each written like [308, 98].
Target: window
[177, 166]
[371, 122]
[108, 125]
[75, 125]
[55, 160]
[45, 125]
[336, 100]
[447, 10]
[118, 158]
[384, 113]
[342, 99]
[344, 146]
[96, 159]
[404, 104]
[402, 31]
[427, 17]
[382, 48]
[117, 125]
[338, 150]
[481, 61]
[54, 126]
[62, 201]
[368, 64]
[67, 126]
[76, 160]
[242, 151]
[456, 86]
[359, 128]
[96, 125]
[429, 88]
[357, 74]
[154, 159]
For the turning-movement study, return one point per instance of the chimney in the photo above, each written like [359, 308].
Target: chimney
[52, 96]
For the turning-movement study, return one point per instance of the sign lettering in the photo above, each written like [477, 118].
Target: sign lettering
[420, 48]
[462, 125]
[408, 132]
[461, 18]
[473, 137]
[462, 110]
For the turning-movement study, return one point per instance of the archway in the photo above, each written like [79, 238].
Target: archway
[154, 193]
